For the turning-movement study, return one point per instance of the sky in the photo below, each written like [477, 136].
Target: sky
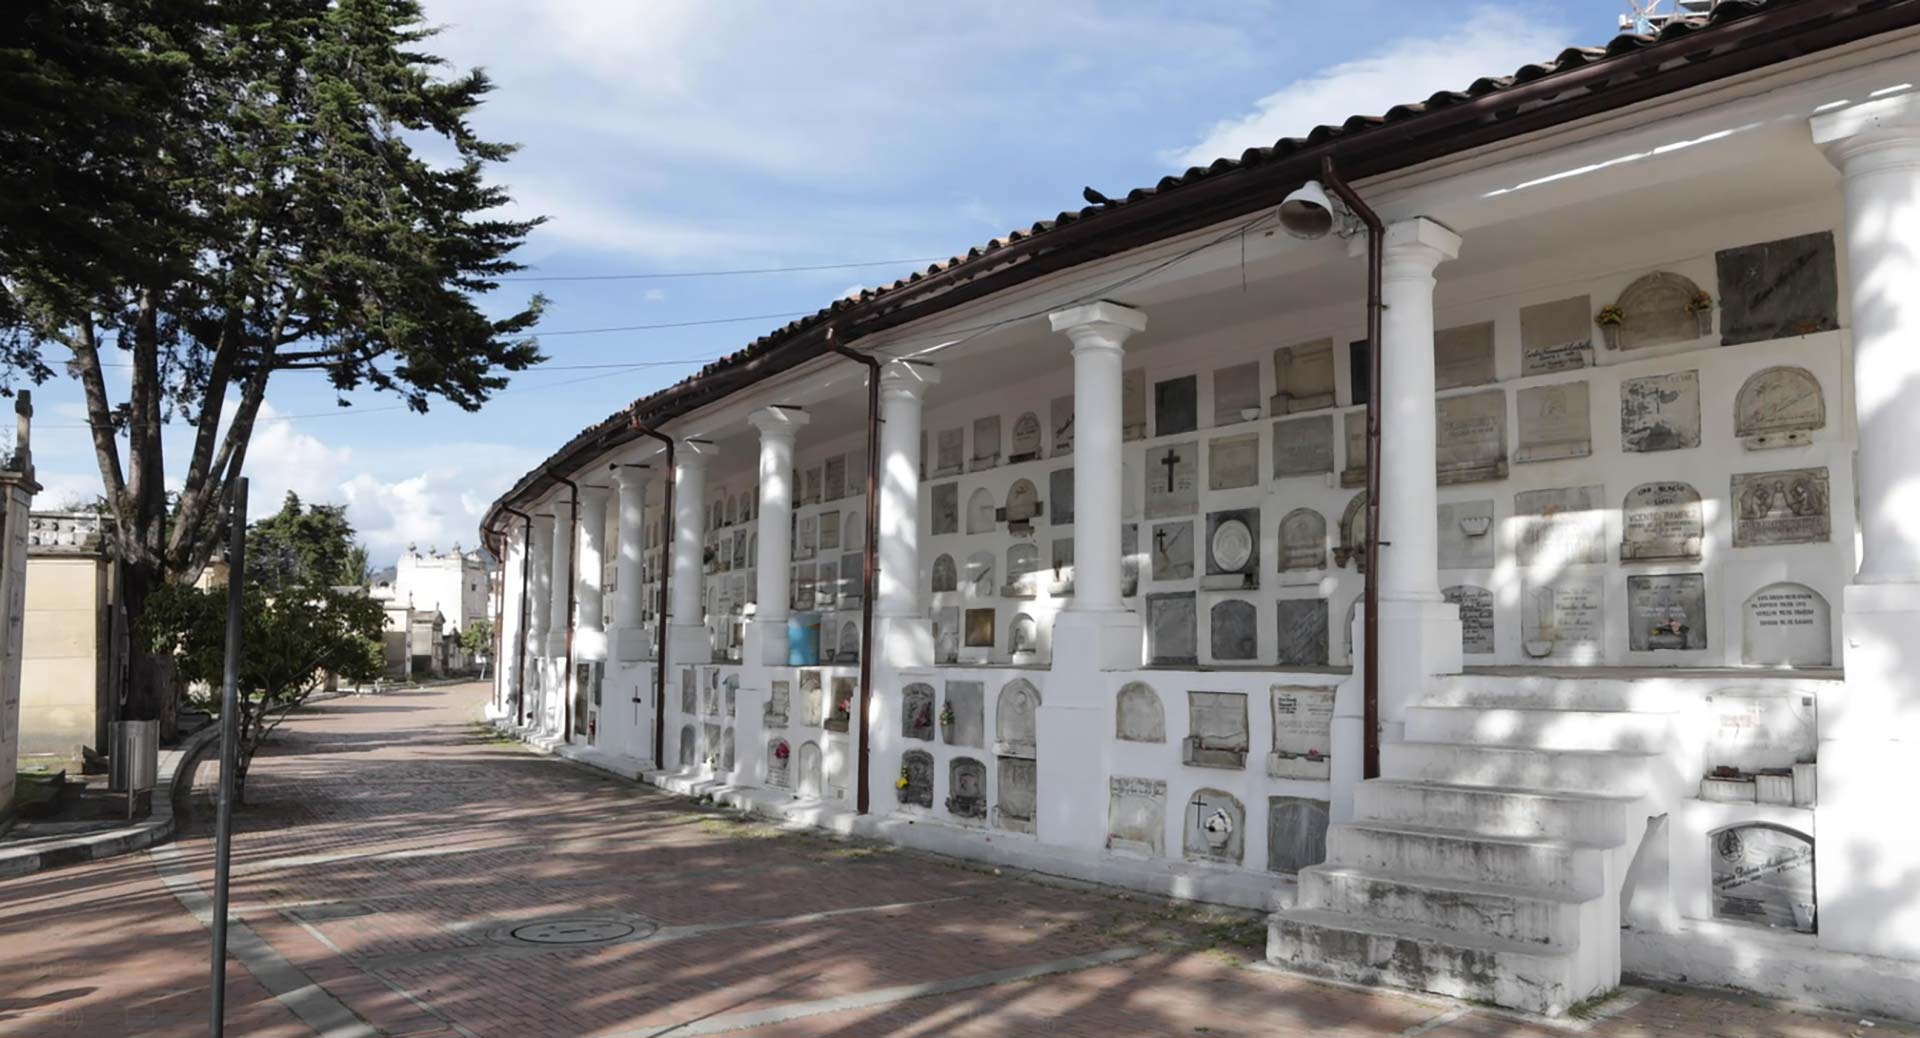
[676, 138]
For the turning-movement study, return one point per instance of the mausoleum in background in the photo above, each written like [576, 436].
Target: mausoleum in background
[1649, 544]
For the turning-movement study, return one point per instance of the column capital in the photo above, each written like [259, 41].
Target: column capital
[632, 477]
[909, 379]
[1098, 325]
[694, 454]
[1413, 247]
[1878, 134]
[779, 423]
[590, 492]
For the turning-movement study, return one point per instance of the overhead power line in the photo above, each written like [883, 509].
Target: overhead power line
[665, 275]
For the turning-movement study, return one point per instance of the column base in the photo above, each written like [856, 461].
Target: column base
[903, 641]
[589, 645]
[766, 642]
[689, 643]
[1418, 639]
[632, 644]
[1106, 639]
[556, 646]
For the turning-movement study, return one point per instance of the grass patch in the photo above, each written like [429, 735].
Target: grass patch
[1589, 1007]
[734, 829]
[488, 735]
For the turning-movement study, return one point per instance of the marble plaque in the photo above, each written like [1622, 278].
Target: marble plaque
[1302, 377]
[1060, 414]
[949, 453]
[1061, 562]
[1013, 808]
[1660, 412]
[1023, 506]
[916, 767]
[816, 481]
[1173, 484]
[967, 788]
[1778, 289]
[1476, 618]
[1786, 507]
[1023, 562]
[1667, 612]
[982, 513]
[946, 508]
[1556, 336]
[1026, 439]
[1233, 462]
[1138, 715]
[1564, 619]
[1176, 405]
[806, 539]
[1133, 405]
[1303, 541]
[1470, 437]
[1360, 370]
[836, 477]
[779, 703]
[1303, 446]
[967, 703]
[813, 699]
[916, 712]
[1555, 422]
[829, 531]
[1787, 625]
[1466, 534]
[1023, 638]
[1463, 356]
[1217, 733]
[1661, 521]
[1216, 828]
[1136, 816]
[1756, 728]
[1561, 527]
[1354, 432]
[946, 634]
[979, 629]
[1233, 550]
[1296, 833]
[840, 706]
[1171, 629]
[1234, 628]
[1015, 720]
[689, 691]
[981, 569]
[1060, 492]
[779, 754]
[1236, 394]
[1658, 310]
[1130, 559]
[1303, 632]
[1779, 407]
[1302, 733]
[986, 443]
[803, 597]
[1763, 874]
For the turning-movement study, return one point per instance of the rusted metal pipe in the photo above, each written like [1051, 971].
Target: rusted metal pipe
[1370, 621]
[863, 798]
[520, 651]
[573, 567]
[660, 617]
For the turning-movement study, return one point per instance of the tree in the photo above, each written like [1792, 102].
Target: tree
[302, 545]
[476, 640]
[297, 227]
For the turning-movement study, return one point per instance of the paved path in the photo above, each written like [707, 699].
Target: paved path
[395, 861]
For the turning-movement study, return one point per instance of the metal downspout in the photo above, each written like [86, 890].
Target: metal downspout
[573, 566]
[660, 619]
[520, 651]
[863, 799]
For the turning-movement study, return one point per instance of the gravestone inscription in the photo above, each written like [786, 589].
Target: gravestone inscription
[946, 634]
[1470, 437]
[946, 576]
[1463, 356]
[1779, 407]
[1659, 309]
[1023, 638]
[1561, 526]
[979, 633]
[836, 477]
[813, 700]
[1303, 377]
[1015, 720]
[1778, 289]
[1476, 618]
[1564, 618]
[1555, 422]
[1217, 733]
[916, 711]
[1302, 733]
[1173, 486]
[779, 753]
[1062, 562]
[1786, 507]
[1556, 336]
[916, 767]
[1303, 446]
[1764, 874]
[1787, 625]
[1023, 562]
[1303, 542]
[982, 514]
[1303, 632]
[1136, 815]
[1233, 462]
[1234, 631]
[1660, 412]
[779, 703]
[1026, 439]
[1353, 427]
[1661, 521]
[1667, 612]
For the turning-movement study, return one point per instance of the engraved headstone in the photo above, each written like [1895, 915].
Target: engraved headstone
[1302, 733]
[1171, 622]
[1013, 808]
[946, 508]
[1015, 720]
[916, 712]
[779, 756]
[1786, 507]
[1353, 428]
[1026, 439]
[1133, 405]
[1466, 534]
[1234, 629]
[1023, 563]
[1176, 405]
[1136, 815]
[1564, 619]
[1303, 446]
[986, 443]
[1561, 526]
[1661, 521]
[1303, 541]
[1763, 874]
[1470, 436]
[1556, 336]
[1787, 625]
[966, 706]
[980, 575]
[1060, 492]
[829, 531]
[1660, 412]
[981, 511]
[1138, 715]
[1463, 356]
[1303, 632]
[916, 767]
[1476, 618]
[979, 629]
[1303, 377]
[1233, 462]
[946, 634]
[1216, 828]
[1555, 422]
[1060, 414]
[1236, 394]
[1233, 550]
[1023, 638]
[967, 785]
[1173, 486]
[1779, 407]
[836, 477]
[1667, 612]
[1217, 733]
[1023, 506]
[813, 699]
[1659, 309]
[779, 703]
[1778, 289]
[1296, 833]
[949, 453]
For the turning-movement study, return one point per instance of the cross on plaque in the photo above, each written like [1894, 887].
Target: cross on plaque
[1172, 459]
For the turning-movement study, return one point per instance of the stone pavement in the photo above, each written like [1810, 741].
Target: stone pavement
[400, 871]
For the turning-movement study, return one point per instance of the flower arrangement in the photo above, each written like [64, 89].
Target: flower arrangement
[781, 752]
[946, 716]
[1610, 316]
[901, 782]
[1700, 303]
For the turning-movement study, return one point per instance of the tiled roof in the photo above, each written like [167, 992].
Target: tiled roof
[999, 254]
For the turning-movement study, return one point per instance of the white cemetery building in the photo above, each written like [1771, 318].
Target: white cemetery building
[1646, 566]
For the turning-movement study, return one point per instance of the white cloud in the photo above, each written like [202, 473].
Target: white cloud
[653, 295]
[1489, 42]
[281, 458]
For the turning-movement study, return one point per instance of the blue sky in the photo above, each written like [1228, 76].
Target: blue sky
[665, 136]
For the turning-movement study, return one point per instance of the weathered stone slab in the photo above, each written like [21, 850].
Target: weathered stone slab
[1236, 394]
[964, 718]
[1787, 625]
[1233, 462]
[1303, 541]
[1138, 714]
[916, 712]
[779, 703]
[1466, 534]
[1303, 377]
[982, 513]
[1217, 733]
[1660, 412]
[1302, 632]
[949, 453]
[813, 699]
[1763, 874]
[779, 763]
[1060, 492]
[1556, 336]
[946, 508]
[1014, 808]
[1353, 426]
[1172, 623]
[1060, 417]
[1785, 507]
[1176, 405]
[986, 443]
[1234, 629]
[1667, 612]
[1303, 446]
[1555, 422]
[1779, 407]
[916, 767]
[1463, 356]
[1133, 404]
[1660, 309]
[1476, 618]
[1026, 439]
[840, 705]
[1296, 833]
[1562, 526]
[1661, 521]
[1302, 733]
[1216, 828]
[1564, 619]
[1778, 289]
[1172, 477]
[1015, 720]
[1233, 550]
[967, 782]
[1137, 816]
[1470, 437]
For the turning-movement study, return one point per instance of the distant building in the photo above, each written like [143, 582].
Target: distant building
[17, 488]
[451, 590]
[74, 643]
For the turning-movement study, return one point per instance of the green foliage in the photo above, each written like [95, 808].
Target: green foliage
[301, 545]
[477, 639]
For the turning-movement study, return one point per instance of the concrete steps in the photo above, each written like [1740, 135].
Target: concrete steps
[1544, 917]
[1449, 854]
[1470, 764]
[1495, 810]
[1537, 727]
[1361, 950]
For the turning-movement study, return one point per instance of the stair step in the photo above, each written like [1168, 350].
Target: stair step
[1530, 862]
[1528, 977]
[1538, 728]
[1651, 694]
[1540, 917]
[1466, 764]
[1495, 810]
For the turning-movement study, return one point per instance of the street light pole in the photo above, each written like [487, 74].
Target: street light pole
[229, 747]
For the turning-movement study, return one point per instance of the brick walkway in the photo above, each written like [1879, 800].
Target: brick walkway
[391, 848]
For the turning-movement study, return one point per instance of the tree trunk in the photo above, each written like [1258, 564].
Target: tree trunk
[152, 694]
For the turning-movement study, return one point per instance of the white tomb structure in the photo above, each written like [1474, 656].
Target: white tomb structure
[1648, 680]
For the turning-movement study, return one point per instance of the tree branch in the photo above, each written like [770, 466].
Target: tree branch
[86, 367]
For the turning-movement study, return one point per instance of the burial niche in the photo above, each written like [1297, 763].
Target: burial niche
[689, 747]
[1657, 309]
[1014, 809]
[1060, 487]
[963, 718]
[1026, 439]
[946, 634]
[1023, 638]
[1779, 407]
[1172, 628]
[1233, 550]
[1217, 727]
[916, 712]
[812, 699]
[779, 698]
[1303, 446]
[849, 651]
[1236, 393]
[1014, 720]
[949, 451]
[1023, 562]
[1138, 716]
[1476, 617]
[1023, 505]
[946, 510]
[1215, 827]
[1763, 873]
[945, 577]
[986, 443]
[842, 709]
[1302, 632]
[1303, 541]
[1786, 625]
[980, 569]
[839, 770]
[1661, 521]
[810, 769]
[1660, 412]
[967, 785]
[980, 511]
[726, 749]
[1136, 816]
[915, 785]
[1303, 377]
[778, 761]
[1296, 833]
[1176, 405]
[1234, 628]
[1302, 733]
[1353, 534]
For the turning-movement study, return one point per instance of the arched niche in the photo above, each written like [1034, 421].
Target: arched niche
[916, 711]
[980, 567]
[1659, 309]
[1015, 720]
[1303, 540]
[689, 748]
[1138, 715]
[1023, 504]
[1353, 534]
[980, 511]
[1779, 407]
[945, 575]
[1023, 636]
[810, 769]
[1786, 624]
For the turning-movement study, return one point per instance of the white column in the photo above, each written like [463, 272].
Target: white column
[559, 608]
[1097, 623]
[538, 613]
[902, 629]
[779, 428]
[1409, 492]
[629, 638]
[687, 638]
[590, 635]
[1864, 867]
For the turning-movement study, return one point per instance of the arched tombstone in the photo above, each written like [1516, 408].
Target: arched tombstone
[1779, 407]
[1303, 541]
[1353, 534]
[1023, 563]
[980, 511]
[1023, 638]
[1016, 806]
[916, 711]
[779, 763]
[945, 577]
[1215, 827]
[1786, 625]
[980, 569]
[689, 747]
[1026, 439]
[1763, 873]
[1023, 506]
[727, 758]
[849, 650]
[839, 771]
[1015, 720]
[810, 770]
[1138, 715]
[967, 788]
[1658, 309]
[915, 787]
[1661, 521]
[856, 530]
[1235, 630]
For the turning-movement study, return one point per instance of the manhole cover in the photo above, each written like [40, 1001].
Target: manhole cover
[575, 931]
